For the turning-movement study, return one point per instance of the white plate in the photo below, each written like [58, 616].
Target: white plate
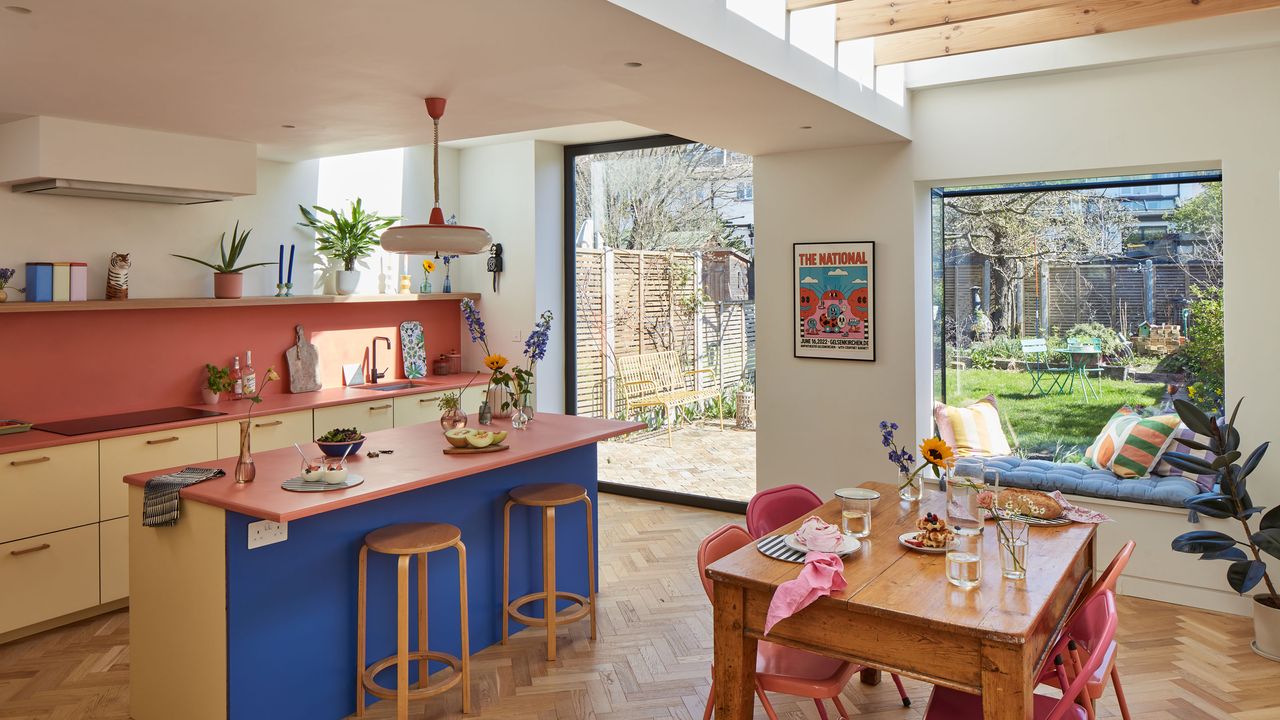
[904, 537]
[848, 545]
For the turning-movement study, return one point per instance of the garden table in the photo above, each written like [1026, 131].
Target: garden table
[1079, 360]
[900, 614]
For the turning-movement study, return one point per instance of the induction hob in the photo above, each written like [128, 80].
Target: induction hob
[104, 423]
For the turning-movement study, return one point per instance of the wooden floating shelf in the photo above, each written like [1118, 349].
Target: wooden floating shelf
[175, 303]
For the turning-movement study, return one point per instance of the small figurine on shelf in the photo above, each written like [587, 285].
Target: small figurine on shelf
[428, 267]
[118, 277]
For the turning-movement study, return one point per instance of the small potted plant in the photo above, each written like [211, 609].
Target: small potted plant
[6, 274]
[228, 278]
[452, 417]
[218, 382]
[346, 237]
[1230, 500]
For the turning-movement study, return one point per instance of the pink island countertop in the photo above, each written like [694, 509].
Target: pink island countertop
[238, 410]
[417, 461]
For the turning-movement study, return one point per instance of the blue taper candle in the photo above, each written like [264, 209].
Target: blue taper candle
[292, 247]
[280, 266]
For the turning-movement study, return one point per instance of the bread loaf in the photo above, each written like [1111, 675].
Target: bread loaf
[1031, 503]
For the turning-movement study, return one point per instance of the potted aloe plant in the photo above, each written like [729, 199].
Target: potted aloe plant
[1230, 500]
[346, 237]
[228, 278]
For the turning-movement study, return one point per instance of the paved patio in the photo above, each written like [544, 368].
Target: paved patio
[702, 461]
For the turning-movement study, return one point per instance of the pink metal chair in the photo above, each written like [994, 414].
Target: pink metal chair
[1073, 665]
[770, 509]
[779, 668]
[1097, 684]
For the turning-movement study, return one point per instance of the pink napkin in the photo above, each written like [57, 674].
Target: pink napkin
[1077, 513]
[817, 535]
[823, 574]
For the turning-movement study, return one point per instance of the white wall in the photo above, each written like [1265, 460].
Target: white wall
[817, 418]
[46, 228]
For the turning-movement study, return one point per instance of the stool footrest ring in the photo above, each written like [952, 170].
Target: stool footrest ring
[567, 615]
[417, 692]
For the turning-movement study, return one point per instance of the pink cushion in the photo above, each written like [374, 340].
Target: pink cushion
[947, 704]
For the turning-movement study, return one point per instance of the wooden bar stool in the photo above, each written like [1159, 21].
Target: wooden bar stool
[548, 496]
[405, 541]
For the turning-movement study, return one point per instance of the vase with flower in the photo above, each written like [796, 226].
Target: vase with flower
[910, 487]
[245, 469]
[940, 459]
[428, 267]
[6, 274]
[535, 349]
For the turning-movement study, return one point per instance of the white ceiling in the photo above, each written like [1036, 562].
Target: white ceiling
[351, 75]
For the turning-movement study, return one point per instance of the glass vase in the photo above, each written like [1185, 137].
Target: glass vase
[425, 288]
[526, 403]
[245, 470]
[452, 419]
[500, 402]
[485, 414]
[964, 515]
[448, 285]
[910, 488]
[519, 418]
[1014, 538]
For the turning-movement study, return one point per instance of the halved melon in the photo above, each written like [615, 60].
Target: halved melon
[481, 439]
[457, 437]
[498, 436]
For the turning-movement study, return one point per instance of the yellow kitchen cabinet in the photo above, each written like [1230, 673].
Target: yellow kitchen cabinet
[45, 490]
[149, 451]
[418, 409]
[113, 551]
[269, 432]
[367, 417]
[48, 576]
[473, 396]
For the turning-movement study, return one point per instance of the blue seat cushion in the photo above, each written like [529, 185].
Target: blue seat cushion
[1078, 479]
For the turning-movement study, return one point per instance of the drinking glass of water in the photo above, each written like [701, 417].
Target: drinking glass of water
[1014, 539]
[963, 513]
[964, 561]
[855, 510]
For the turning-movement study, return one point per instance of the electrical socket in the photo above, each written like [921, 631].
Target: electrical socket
[267, 532]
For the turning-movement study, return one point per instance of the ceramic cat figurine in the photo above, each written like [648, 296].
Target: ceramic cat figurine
[118, 277]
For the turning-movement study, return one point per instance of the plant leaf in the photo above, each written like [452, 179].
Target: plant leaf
[1268, 541]
[1190, 463]
[1202, 541]
[1231, 553]
[1215, 505]
[1247, 513]
[1196, 445]
[209, 265]
[1195, 418]
[242, 268]
[1244, 575]
[1225, 459]
[1271, 519]
[1255, 457]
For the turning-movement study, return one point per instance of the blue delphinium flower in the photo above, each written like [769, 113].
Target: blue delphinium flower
[475, 325]
[897, 455]
[535, 347]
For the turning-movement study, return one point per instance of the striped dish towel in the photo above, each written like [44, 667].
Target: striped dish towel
[160, 497]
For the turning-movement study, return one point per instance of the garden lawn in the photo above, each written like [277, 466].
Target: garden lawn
[1057, 426]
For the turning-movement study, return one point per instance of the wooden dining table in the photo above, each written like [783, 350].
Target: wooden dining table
[900, 614]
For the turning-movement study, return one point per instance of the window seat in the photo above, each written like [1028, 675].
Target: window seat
[1079, 479]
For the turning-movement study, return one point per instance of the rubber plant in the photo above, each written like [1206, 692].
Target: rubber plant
[1229, 500]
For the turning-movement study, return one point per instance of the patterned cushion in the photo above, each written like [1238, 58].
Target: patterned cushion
[1183, 432]
[1130, 444]
[972, 430]
[1076, 479]
[1103, 450]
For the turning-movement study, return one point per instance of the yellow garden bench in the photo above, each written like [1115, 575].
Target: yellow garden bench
[656, 379]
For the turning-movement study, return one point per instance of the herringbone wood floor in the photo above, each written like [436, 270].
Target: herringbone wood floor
[654, 651]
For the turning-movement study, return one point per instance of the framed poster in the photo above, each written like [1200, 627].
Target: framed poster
[834, 298]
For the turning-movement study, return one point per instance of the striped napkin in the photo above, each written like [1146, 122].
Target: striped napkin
[160, 497]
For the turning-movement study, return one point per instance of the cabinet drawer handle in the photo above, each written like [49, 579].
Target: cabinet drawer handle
[35, 548]
[269, 423]
[161, 441]
[380, 407]
[29, 461]
[429, 400]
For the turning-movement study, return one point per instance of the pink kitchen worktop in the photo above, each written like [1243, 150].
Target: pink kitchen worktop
[418, 461]
[238, 410]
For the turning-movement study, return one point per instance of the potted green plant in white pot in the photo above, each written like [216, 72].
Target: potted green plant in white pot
[346, 237]
[228, 278]
[1230, 500]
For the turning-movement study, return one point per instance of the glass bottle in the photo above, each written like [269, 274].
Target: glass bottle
[249, 379]
[486, 413]
[519, 419]
[237, 381]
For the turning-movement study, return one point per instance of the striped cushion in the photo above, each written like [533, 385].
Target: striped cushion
[1103, 450]
[1143, 445]
[972, 430]
[1183, 432]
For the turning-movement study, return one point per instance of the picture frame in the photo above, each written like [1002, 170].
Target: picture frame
[833, 300]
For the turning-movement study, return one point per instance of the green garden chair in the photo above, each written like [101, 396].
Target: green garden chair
[1035, 353]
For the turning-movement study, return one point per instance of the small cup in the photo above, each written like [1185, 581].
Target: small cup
[313, 470]
[855, 510]
[335, 470]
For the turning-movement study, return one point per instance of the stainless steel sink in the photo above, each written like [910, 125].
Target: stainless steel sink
[388, 388]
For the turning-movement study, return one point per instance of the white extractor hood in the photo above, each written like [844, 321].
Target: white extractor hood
[55, 156]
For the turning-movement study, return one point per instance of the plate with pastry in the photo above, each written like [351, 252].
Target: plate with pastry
[932, 537]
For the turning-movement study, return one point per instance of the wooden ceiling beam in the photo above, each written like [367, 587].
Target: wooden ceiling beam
[1073, 19]
[806, 4]
[868, 18]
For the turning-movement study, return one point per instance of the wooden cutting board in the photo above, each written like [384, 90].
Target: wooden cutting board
[475, 451]
[304, 364]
